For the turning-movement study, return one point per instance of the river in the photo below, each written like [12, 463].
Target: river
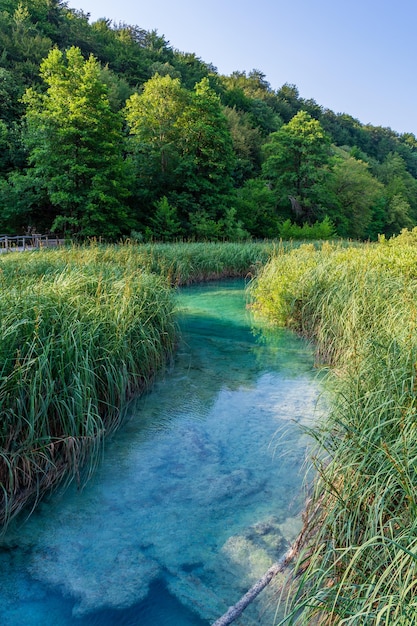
[196, 496]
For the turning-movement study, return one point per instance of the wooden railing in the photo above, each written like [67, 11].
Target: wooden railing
[28, 242]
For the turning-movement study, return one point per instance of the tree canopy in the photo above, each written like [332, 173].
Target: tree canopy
[106, 129]
[75, 148]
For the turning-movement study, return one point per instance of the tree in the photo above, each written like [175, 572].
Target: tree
[255, 204]
[75, 142]
[10, 106]
[24, 204]
[207, 157]
[296, 164]
[289, 101]
[182, 148]
[357, 194]
[23, 41]
[164, 223]
[191, 68]
[398, 182]
[246, 144]
[252, 94]
[153, 117]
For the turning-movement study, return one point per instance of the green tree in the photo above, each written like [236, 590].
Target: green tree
[191, 68]
[252, 94]
[357, 197]
[255, 203]
[246, 144]
[231, 228]
[76, 143]
[164, 223]
[10, 106]
[207, 156]
[398, 182]
[182, 149]
[153, 117]
[296, 165]
[289, 101]
[23, 40]
[118, 90]
[398, 215]
[4, 145]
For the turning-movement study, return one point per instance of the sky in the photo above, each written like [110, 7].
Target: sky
[350, 56]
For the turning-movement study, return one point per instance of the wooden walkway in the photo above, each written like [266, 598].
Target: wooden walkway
[19, 243]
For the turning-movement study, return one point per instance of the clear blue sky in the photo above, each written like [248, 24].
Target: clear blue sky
[351, 56]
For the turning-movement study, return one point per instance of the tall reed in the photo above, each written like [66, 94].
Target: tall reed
[187, 262]
[82, 330]
[359, 557]
[77, 341]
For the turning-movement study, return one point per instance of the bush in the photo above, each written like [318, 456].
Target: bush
[316, 231]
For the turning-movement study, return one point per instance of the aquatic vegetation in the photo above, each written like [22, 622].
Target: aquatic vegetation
[76, 343]
[187, 262]
[83, 329]
[359, 306]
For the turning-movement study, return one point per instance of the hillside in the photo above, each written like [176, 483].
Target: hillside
[107, 130]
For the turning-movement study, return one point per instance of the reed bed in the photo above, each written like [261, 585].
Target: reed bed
[184, 263]
[358, 564]
[78, 339]
[181, 263]
[83, 329]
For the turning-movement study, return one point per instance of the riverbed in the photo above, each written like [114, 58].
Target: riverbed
[196, 496]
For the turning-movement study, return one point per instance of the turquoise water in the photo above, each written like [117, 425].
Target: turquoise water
[197, 495]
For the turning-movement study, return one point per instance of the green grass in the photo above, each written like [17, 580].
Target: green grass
[358, 562]
[77, 341]
[83, 329]
[185, 263]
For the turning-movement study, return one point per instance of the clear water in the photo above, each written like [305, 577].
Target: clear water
[196, 497]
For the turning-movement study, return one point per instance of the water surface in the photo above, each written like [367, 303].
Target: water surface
[196, 497]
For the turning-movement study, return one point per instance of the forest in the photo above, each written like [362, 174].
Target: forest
[108, 131]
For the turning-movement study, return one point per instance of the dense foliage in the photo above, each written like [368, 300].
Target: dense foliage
[358, 558]
[107, 130]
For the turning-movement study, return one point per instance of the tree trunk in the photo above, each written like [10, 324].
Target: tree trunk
[235, 611]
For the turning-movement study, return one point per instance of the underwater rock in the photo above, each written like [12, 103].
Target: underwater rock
[209, 588]
[235, 485]
[121, 585]
[268, 535]
[253, 559]
[256, 548]
[196, 595]
[196, 444]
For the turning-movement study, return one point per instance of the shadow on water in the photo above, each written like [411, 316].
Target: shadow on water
[160, 608]
[198, 493]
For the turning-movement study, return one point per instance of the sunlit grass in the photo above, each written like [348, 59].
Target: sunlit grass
[358, 564]
[84, 329]
[77, 341]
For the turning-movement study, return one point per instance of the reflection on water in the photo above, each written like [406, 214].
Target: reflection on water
[196, 497]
